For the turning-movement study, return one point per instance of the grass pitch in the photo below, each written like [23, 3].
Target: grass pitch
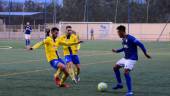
[25, 73]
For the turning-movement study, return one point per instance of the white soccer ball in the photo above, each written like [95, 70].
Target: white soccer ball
[102, 87]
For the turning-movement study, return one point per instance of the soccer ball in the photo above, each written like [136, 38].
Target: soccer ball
[102, 87]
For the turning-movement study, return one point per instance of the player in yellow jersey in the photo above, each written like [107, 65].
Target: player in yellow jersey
[71, 54]
[51, 44]
[74, 32]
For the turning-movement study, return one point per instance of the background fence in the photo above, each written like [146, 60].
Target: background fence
[102, 30]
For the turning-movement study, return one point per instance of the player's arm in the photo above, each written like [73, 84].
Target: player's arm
[37, 45]
[142, 47]
[69, 43]
[30, 28]
[118, 50]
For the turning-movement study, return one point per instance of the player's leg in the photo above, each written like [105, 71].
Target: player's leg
[70, 69]
[128, 67]
[93, 37]
[128, 82]
[55, 64]
[63, 79]
[60, 67]
[26, 40]
[69, 66]
[29, 40]
[76, 62]
[116, 69]
[64, 75]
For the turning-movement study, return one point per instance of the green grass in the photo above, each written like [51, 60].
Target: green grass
[25, 73]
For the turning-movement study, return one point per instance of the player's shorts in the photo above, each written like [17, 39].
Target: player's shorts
[72, 58]
[126, 63]
[27, 36]
[54, 63]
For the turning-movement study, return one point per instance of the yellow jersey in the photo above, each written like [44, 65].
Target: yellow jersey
[68, 50]
[51, 47]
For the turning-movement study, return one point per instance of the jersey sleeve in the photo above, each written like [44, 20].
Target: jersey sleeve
[119, 50]
[76, 37]
[30, 28]
[47, 40]
[68, 43]
[37, 45]
[140, 44]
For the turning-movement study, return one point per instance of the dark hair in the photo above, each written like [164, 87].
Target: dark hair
[121, 28]
[54, 29]
[68, 27]
[47, 32]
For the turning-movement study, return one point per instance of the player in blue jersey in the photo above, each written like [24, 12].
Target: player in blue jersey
[129, 48]
[28, 30]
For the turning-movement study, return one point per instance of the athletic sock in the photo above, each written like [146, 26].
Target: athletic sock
[63, 78]
[57, 73]
[128, 82]
[29, 42]
[118, 77]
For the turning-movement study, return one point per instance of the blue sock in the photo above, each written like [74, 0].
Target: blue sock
[118, 77]
[26, 42]
[29, 41]
[128, 82]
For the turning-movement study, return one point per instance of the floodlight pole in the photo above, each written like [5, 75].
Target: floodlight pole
[116, 10]
[45, 11]
[23, 9]
[129, 13]
[9, 17]
[86, 17]
[85, 9]
[148, 4]
[54, 10]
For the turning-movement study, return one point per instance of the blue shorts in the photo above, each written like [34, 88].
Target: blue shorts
[72, 58]
[54, 63]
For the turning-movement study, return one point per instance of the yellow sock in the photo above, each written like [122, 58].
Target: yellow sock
[71, 72]
[57, 72]
[63, 78]
[78, 71]
[75, 71]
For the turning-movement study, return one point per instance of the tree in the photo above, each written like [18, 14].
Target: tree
[73, 10]
[1, 6]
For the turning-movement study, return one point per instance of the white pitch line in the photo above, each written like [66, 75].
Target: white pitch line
[5, 47]
[36, 60]
[25, 72]
[47, 69]
[19, 62]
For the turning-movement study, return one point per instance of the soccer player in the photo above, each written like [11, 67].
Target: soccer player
[71, 54]
[28, 30]
[51, 44]
[130, 45]
[92, 34]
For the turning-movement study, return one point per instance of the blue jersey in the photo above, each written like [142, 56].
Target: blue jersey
[130, 44]
[28, 29]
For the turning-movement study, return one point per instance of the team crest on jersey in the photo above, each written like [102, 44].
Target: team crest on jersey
[125, 46]
[126, 40]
